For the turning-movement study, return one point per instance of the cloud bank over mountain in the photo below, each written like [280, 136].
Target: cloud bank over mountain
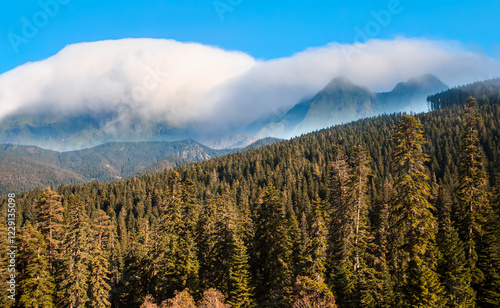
[193, 85]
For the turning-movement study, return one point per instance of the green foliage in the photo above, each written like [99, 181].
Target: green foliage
[240, 290]
[74, 274]
[413, 217]
[50, 223]
[175, 264]
[472, 195]
[488, 92]
[37, 286]
[273, 251]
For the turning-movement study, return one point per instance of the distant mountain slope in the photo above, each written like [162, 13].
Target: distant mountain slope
[410, 95]
[225, 140]
[342, 101]
[169, 162]
[263, 142]
[25, 173]
[27, 167]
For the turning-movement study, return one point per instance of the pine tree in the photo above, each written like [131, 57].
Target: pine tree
[488, 292]
[359, 202]
[207, 241]
[273, 249]
[317, 245]
[76, 244]
[341, 233]
[175, 265]
[452, 265]
[37, 286]
[300, 241]
[472, 195]
[50, 223]
[101, 231]
[240, 290]
[413, 216]
[364, 248]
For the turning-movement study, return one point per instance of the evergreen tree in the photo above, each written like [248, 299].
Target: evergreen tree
[364, 248]
[359, 202]
[74, 274]
[175, 265]
[472, 196]
[273, 249]
[101, 231]
[341, 233]
[207, 241]
[317, 245]
[452, 265]
[240, 290]
[413, 216]
[50, 223]
[37, 286]
[488, 292]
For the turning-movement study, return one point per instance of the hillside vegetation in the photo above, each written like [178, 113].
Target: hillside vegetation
[29, 167]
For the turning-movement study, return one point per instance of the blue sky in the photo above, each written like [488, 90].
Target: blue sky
[263, 29]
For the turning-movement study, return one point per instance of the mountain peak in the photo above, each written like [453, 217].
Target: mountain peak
[427, 81]
[339, 83]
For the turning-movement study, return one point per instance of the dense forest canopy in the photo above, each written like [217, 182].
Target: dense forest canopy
[396, 210]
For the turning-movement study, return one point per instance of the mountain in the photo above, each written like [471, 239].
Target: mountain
[226, 140]
[409, 96]
[263, 142]
[27, 167]
[342, 101]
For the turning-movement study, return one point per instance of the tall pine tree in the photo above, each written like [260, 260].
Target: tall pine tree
[74, 273]
[101, 233]
[341, 258]
[413, 216]
[472, 196]
[50, 223]
[273, 252]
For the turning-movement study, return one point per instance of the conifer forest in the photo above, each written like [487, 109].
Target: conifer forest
[399, 210]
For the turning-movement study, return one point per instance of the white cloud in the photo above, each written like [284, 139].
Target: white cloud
[192, 84]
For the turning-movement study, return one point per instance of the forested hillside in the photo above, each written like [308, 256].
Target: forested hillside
[392, 211]
[487, 91]
[29, 167]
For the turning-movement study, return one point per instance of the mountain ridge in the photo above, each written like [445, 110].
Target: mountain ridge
[342, 101]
